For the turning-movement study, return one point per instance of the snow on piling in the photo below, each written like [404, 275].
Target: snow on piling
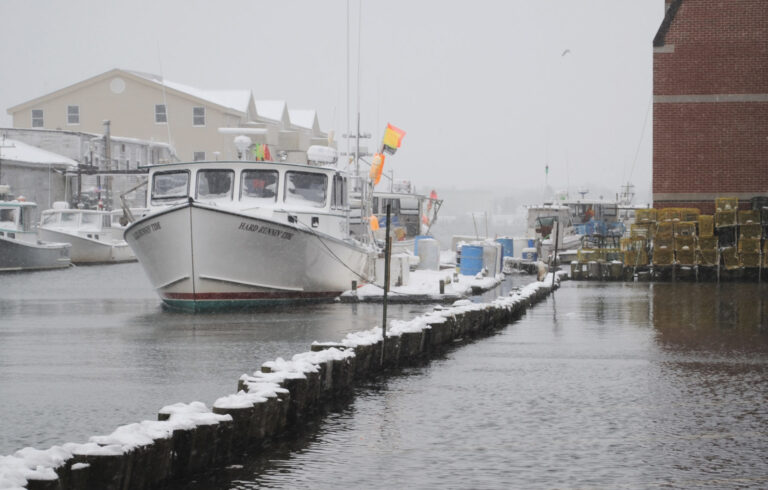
[188, 439]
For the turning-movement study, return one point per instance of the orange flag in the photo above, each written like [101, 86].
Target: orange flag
[376, 168]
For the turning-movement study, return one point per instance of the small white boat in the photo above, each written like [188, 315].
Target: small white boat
[230, 234]
[412, 215]
[20, 248]
[91, 233]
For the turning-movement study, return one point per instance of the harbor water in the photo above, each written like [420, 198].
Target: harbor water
[86, 349]
[603, 385]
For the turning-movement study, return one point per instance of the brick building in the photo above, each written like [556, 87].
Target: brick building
[710, 103]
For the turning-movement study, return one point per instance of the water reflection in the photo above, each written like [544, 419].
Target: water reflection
[87, 349]
[602, 386]
[711, 317]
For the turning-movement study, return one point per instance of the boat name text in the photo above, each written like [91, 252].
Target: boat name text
[146, 230]
[266, 230]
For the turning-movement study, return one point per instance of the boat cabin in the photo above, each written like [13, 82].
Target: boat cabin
[17, 220]
[315, 196]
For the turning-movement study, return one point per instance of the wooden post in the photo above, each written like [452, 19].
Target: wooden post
[387, 250]
[554, 257]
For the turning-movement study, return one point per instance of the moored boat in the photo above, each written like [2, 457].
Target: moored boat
[20, 249]
[240, 233]
[91, 233]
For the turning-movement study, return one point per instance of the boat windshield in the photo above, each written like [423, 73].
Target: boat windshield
[90, 222]
[49, 218]
[306, 189]
[409, 205]
[170, 185]
[259, 186]
[214, 185]
[8, 217]
[69, 220]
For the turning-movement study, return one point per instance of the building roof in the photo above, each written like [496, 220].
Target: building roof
[271, 109]
[232, 99]
[669, 16]
[303, 118]
[18, 151]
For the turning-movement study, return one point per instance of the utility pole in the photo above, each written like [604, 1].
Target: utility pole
[108, 156]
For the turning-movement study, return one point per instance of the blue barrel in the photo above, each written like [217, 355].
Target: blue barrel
[531, 243]
[507, 247]
[471, 260]
[416, 243]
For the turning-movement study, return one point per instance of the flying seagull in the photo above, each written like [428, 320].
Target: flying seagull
[565, 52]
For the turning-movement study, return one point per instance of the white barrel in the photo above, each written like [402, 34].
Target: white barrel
[429, 254]
[492, 258]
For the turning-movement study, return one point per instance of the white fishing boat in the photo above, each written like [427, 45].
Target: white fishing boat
[91, 233]
[20, 249]
[240, 233]
[547, 221]
[412, 215]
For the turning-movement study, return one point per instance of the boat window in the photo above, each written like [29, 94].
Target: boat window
[339, 197]
[215, 184]
[8, 217]
[90, 221]
[306, 189]
[25, 220]
[409, 205]
[69, 220]
[49, 218]
[259, 186]
[394, 205]
[170, 185]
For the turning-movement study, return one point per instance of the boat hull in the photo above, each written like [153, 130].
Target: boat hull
[16, 255]
[199, 258]
[88, 250]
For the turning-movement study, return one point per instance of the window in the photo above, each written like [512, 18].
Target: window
[306, 189]
[37, 118]
[409, 205]
[160, 115]
[170, 185]
[90, 222]
[198, 156]
[73, 114]
[259, 186]
[69, 220]
[339, 194]
[8, 217]
[198, 116]
[215, 184]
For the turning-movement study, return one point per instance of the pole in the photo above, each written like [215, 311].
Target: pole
[554, 258]
[387, 250]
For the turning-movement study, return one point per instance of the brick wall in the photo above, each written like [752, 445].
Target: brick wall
[714, 47]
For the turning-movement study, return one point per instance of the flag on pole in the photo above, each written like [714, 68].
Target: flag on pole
[377, 166]
[392, 138]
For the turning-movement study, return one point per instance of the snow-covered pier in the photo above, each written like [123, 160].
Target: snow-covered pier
[189, 439]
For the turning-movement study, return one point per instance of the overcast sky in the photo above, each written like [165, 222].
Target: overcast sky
[488, 92]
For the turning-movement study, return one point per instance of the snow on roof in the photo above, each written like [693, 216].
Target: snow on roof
[21, 152]
[233, 99]
[302, 118]
[270, 109]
